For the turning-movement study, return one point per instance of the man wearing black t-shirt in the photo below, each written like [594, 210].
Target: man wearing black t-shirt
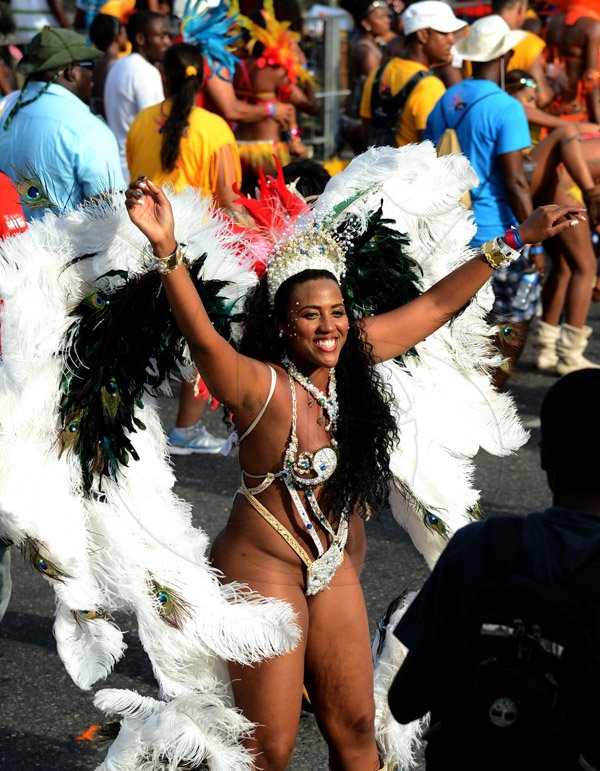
[558, 550]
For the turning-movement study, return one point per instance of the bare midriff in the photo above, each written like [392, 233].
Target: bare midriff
[259, 85]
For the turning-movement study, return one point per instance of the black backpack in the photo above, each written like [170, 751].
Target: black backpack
[519, 688]
[386, 110]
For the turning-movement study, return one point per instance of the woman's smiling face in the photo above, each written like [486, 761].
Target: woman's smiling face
[316, 324]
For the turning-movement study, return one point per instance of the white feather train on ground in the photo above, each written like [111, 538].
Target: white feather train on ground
[122, 550]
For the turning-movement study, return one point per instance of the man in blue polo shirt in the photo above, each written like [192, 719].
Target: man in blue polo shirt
[493, 131]
[56, 153]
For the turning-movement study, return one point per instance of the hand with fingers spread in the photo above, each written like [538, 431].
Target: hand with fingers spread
[149, 209]
[548, 221]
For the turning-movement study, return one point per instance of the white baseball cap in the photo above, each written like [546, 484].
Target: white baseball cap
[488, 39]
[430, 14]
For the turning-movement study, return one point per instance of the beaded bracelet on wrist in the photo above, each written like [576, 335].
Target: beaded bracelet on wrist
[513, 238]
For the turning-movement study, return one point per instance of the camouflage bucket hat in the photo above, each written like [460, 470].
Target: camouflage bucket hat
[56, 48]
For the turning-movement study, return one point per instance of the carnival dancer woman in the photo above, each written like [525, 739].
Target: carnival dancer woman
[311, 460]
[272, 69]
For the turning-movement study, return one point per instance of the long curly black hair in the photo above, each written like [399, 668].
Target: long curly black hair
[366, 431]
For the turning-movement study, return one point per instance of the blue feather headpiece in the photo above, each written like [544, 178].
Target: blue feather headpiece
[206, 24]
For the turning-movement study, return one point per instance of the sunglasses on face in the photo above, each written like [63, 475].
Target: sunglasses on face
[530, 83]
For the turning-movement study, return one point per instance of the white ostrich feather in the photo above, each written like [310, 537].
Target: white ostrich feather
[407, 175]
[446, 406]
[397, 742]
[126, 703]
[195, 728]
[198, 728]
[89, 648]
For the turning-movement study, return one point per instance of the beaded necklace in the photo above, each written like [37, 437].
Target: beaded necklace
[328, 403]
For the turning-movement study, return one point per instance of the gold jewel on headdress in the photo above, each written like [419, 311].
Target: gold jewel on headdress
[313, 249]
[190, 71]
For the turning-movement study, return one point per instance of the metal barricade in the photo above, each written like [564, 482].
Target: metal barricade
[324, 45]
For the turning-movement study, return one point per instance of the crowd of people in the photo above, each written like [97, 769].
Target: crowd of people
[442, 80]
[400, 63]
[151, 95]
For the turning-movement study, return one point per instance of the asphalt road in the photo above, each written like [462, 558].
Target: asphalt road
[41, 710]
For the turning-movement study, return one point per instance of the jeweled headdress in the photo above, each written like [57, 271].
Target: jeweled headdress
[314, 248]
[287, 234]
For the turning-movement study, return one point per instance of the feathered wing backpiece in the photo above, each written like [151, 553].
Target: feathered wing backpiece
[87, 339]
[410, 230]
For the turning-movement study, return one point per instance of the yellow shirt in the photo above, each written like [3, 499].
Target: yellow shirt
[207, 148]
[526, 52]
[120, 8]
[419, 104]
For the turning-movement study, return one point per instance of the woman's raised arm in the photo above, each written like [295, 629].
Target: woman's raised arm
[238, 381]
[391, 334]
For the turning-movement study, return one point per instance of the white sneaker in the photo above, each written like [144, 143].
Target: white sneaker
[194, 440]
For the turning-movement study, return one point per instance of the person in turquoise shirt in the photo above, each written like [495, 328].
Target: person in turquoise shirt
[54, 150]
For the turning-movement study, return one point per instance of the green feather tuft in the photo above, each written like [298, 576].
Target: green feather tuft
[125, 342]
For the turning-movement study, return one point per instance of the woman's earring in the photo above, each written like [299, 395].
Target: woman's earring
[281, 333]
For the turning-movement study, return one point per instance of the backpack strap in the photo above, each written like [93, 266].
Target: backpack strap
[460, 120]
[464, 112]
[386, 111]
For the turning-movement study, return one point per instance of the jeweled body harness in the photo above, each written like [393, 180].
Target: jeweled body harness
[304, 471]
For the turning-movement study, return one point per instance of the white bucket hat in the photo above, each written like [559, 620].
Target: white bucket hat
[430, 14]
[488, 39]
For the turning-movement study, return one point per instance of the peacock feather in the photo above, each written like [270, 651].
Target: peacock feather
[34, 554]
[32, 191]
[89, 615]
[383, 623]
[124, 343]
[172, 608]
